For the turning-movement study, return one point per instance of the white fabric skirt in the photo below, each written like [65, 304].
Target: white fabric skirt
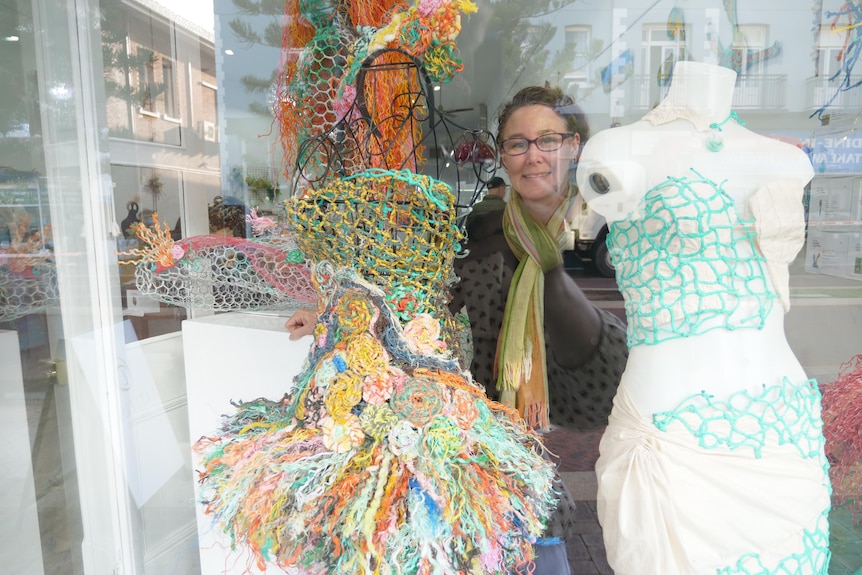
[718, 488]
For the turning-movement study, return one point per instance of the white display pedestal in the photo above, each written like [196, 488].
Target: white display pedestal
[21, 550]
[231, 357]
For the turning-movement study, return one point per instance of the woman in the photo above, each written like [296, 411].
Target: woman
[515, 288]
[585, 349]
[539, 136]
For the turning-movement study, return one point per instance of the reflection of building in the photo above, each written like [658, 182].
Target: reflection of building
[161, 107]
[795, 81]
[248, 66]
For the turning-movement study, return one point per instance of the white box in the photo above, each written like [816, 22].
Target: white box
[234, 357]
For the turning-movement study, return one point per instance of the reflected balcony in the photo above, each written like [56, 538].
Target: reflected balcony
[753, 92]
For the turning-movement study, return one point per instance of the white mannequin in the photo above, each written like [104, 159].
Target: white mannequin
[628, 161]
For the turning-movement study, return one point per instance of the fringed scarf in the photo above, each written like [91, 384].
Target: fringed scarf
[521, 369]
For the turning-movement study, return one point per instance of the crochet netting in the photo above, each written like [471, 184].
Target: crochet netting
[396, 228]
[220, 273]
[782, 414]
[686, 264]
[383, 458]
[28, 291]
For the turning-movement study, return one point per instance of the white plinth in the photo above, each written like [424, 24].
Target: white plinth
[21, 548]
[231, 357]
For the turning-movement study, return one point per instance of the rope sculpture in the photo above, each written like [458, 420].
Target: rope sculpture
[383, 458]
[356, 94]
[842, 426]
[28, 274]
[220, 273]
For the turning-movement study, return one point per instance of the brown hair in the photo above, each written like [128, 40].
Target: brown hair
[554, 98]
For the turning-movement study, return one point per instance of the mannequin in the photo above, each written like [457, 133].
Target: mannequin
[635, 158]
[705, 217]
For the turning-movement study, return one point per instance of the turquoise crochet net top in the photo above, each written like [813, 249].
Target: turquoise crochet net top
[687, 264]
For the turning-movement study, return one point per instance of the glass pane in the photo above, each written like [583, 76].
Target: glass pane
[41, 526]
[625, 73]
[117, 114]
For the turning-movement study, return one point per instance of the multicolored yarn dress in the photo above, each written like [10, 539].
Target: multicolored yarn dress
[384, 457]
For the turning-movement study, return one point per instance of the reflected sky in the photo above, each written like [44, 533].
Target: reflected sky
[198, 11]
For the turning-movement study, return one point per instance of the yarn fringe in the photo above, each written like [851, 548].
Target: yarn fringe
[380, 460]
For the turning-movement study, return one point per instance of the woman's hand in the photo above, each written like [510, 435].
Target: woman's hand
[301, 323]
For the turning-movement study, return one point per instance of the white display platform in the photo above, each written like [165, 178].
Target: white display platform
[21, 550]
[231, 357]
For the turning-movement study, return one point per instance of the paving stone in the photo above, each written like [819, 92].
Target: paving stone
[593, 540]
[577, 550]
[584, 568]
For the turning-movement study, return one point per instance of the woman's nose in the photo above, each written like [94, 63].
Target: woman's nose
[533, 152]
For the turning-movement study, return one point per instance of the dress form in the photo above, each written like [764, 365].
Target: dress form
[620, 165]
[715, 427]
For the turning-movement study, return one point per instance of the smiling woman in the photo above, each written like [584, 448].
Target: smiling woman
[559, 358]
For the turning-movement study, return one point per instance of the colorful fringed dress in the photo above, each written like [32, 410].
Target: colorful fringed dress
[384, 457]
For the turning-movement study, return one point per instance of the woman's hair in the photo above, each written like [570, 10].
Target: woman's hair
[553, 98]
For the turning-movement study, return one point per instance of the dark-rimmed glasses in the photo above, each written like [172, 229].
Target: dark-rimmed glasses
[549, 142]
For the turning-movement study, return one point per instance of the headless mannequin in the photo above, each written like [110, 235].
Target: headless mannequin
[617, 168]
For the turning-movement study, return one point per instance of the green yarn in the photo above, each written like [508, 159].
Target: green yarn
[686, 264]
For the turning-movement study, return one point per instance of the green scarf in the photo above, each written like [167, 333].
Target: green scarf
[521, 367]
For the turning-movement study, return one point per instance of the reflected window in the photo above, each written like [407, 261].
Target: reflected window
[141, 75]
[749, 46]
[579, 74]
[831, 45]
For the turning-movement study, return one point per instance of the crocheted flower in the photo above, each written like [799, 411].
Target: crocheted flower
[404, 440]
[341, 436]
[354, 314]
[428, 7]
[419, 400]
[366, 355]
[177, 252]
[377, 388]
[342, 395]
[378, 420]
[442, 437]
[320, 332]
[423, 334]
[328, 370]
[462, 408]
[398, 377]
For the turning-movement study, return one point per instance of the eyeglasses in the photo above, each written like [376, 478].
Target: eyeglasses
[546, 143]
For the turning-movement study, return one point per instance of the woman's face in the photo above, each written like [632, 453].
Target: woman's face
[539, 177]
